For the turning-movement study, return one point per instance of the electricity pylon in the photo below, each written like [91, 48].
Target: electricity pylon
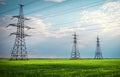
[19, 49]
[98, 52]
[75, 51]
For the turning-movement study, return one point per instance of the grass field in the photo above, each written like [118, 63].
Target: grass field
[60, 68]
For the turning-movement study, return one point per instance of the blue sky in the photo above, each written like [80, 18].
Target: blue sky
[56, 20]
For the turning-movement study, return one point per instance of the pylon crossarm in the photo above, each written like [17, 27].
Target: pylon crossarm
[14, 25]
[28, 27]
[21, 17]
[26, 35]
[16, 16]
[15, 33]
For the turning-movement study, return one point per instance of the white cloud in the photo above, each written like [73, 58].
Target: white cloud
[111, 6]
[103, 22]
[106, 18]
[56, 0]
[41, 30]
[100, 19]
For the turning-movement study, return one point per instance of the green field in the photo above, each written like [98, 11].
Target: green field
[60, 68]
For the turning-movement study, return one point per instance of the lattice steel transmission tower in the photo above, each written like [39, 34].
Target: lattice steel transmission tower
[19, 49]
[75, 51]
[98, 52]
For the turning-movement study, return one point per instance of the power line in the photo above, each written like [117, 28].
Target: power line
[48, 7]
[84, 26]
[71, 11]
[8, 10]
[76, 21]
[62, 13]
[80, 20]
[31, 2]
[74, 9]
[26, 4]
[61, 23]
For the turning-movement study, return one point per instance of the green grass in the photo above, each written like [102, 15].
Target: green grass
[60, 68]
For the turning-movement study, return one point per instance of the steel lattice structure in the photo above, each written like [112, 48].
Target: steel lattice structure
[19, 49]
[98, 53]
[75, 51]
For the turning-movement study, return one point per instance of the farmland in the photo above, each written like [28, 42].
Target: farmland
[60, 68]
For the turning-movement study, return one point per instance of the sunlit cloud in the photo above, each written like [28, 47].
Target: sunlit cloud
[103, 18]
[103, 21]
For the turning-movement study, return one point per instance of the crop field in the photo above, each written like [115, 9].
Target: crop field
[60, 68]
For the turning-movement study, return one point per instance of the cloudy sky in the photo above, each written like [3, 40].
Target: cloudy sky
[55, 21]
